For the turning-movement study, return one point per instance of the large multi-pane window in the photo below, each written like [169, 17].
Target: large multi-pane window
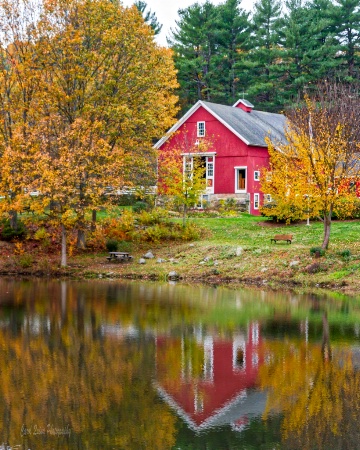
[207, 163]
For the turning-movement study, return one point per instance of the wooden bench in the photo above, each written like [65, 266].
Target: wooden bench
[282, 237]
[119, 256]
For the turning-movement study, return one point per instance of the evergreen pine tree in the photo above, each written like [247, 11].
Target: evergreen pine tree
[194, 44]
[346, 16]
[310, 47]
[234, 32]
[149, 16]
[266, 53]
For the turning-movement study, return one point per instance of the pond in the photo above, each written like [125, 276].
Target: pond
[130, 365]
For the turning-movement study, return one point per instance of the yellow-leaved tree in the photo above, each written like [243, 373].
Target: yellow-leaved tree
[104, 91]
[182, 171]
[19, 111]
[315, 173]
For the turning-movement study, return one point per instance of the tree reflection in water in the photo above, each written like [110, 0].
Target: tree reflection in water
[317, 389]
[96, 362]
[68, 381]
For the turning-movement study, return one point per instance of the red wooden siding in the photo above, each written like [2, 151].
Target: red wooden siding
[230, 150]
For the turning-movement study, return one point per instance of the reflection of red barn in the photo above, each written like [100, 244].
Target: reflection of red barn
[223, 391]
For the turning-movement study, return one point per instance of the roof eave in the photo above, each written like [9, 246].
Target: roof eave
[190, 113]
[178, 124]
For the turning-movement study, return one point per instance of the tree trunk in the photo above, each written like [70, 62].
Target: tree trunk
[13, 220]
[93, 220]
[184, 215]
[81, 242]
[63, 246]
[327, 229]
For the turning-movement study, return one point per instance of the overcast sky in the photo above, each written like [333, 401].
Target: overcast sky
[166, 12]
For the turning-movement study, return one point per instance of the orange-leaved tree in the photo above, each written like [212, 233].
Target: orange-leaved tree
[104, 92]
[316, 171]
[19, 110]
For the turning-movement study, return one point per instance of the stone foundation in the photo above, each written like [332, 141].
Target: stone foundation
[242, 201]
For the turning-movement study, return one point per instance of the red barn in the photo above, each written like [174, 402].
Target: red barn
[238, 149]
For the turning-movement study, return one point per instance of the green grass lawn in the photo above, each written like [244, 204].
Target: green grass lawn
[257, 232]
[239, 248]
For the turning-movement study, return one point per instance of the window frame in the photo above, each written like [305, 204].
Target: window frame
[256, 175]
[256, 200]
[267, 198]
[201, 129]
[240, 191]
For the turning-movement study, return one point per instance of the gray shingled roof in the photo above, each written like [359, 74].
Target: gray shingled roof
[255, 126]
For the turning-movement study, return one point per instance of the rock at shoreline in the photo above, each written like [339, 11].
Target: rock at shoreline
[149, 255]
[142, 261]
[173, 275]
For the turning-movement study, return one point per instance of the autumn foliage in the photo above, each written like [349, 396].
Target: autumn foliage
[315, 173]
[84, 91]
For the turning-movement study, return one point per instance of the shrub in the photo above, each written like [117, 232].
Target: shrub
[112, 245]
[9, 234]
[42, 236]
[96, 240]
[345, 254]
[156, 216]
[140, 206]
[126, 199]
[283, 213]
[317, 252]
[25, 260]
[156, 233]
[191, 232]
[120, 227]
[230, 203]
[347, 209]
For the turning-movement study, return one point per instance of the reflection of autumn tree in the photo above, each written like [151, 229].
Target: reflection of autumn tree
[316, 390]
[66, 373]
[179, 359]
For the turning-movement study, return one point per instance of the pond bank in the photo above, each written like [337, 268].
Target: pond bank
[279, 266]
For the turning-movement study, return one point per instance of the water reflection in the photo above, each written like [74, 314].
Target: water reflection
[152, 366]
[209, 381]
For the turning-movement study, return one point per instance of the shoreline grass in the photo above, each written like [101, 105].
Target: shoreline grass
[235, 251]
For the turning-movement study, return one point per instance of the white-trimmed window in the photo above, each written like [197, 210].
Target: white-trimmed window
[267, 198]
[256, 201]
[256, 175]
[188, 166]
[210, 160]
[200, 129]
[240, 179]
